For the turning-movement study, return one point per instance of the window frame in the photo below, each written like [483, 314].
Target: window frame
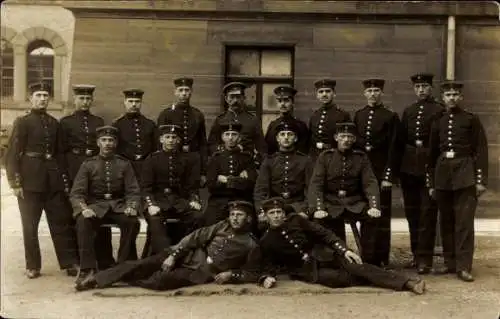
[3, 67]
[32, 46]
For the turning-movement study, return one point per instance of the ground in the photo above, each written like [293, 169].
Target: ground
[53, 296]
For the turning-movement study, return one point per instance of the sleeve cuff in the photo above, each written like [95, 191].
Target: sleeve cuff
[339, 248]
[479, 177]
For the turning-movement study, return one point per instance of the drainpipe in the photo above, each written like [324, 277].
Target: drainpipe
[450, 49]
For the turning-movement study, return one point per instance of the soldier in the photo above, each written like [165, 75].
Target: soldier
[322, 122]
[457, 176]
[252, 138]
[287, 247]
[413, 138]
[171, 180]
[377, 128]
[37, 173]
[343, 186]
[105, 190]
[191, 120]
[195, 260]
[286, 173]
[138, 136]
[231, 175]
[79, 140]
[285, 97]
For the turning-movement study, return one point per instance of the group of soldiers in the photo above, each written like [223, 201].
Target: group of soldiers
[278, 202]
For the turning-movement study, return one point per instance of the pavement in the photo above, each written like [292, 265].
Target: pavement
[53, 296]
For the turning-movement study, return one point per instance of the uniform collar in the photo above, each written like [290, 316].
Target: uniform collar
[181, 105]
[455, 110]
[289, 151]
[346, 152]
[288, 115]
[82, 112]
[428, 99]
[107, 157]
[328, 106]
[133, 115]
[39, 111]
[376, 106]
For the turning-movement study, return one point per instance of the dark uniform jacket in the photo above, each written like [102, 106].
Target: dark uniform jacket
[192, 122]
[138, 136]
[322, 126]
[458, 156]
[231, 163]
[284, 174]
[343, 181]
[79, 138]
[105, 184]
[171, 179]
[303, 134]
[377, 131]
[252, 138]
[34, 159]
[290, 248]
[413, 135]
[213, 249]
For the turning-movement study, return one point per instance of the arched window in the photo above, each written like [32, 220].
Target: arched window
[40, 62]
[7, 67]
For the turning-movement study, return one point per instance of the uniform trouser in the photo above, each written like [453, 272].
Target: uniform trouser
[349, 275]
[104, 248]
[421, 213]
[336, 225]
[457, 209]
[146, 273]
[378, 230]
[60, 221]
[88, 227]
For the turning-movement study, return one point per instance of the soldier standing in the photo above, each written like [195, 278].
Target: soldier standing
[137, 135]
[413, 139]
[322, 122]
[457, 176]
[377, 128]
[171, 181]
[285, 97]
[191, 120]
[105, 190]
[231, 175]
[80, 143]
[252, 138]
[37, 173]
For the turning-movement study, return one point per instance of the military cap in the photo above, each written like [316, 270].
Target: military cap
[285, 125]
[451, 85]
[284, 91]
[234, 86]
[231, 126]
[184, 81]
[133, 93]
[325, 83]
[346, 127]
[107, 130]
[39, 86]
[422, 78]
[273, 203]
[374, 83]
[83, 89]
[242, 205]
[169, 129]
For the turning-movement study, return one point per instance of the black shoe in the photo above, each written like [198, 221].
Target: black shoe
[417, 286]
[88, 282]
[466, 276]
[82, 274]
[444, 271]
[73, 271]
[411, 264]
[423, 270]
[32, 273]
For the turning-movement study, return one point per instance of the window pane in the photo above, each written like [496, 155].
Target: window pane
[266, 119]
[243, 62]
[268, 99]
[7, 72]
[276, 63]
[251, 98]
[7, 69]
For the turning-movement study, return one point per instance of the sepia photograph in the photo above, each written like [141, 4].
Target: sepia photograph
[269, 159]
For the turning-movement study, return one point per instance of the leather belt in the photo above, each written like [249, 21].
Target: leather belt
[455, 153]
[46, 156]
[83, 151]
[107, 196]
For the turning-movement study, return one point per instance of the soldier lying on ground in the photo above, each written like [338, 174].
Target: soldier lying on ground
[287, 247]
[195, 260]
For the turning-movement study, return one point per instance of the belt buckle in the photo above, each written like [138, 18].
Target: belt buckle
[450, 154]
[137, 157]
[342, 193]
[285, 195]
[368, 148]
[419, 143]
[167, 190]
[48, 156]
[319, 145]
[88, 152]
[185, 148]
[108, 196]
